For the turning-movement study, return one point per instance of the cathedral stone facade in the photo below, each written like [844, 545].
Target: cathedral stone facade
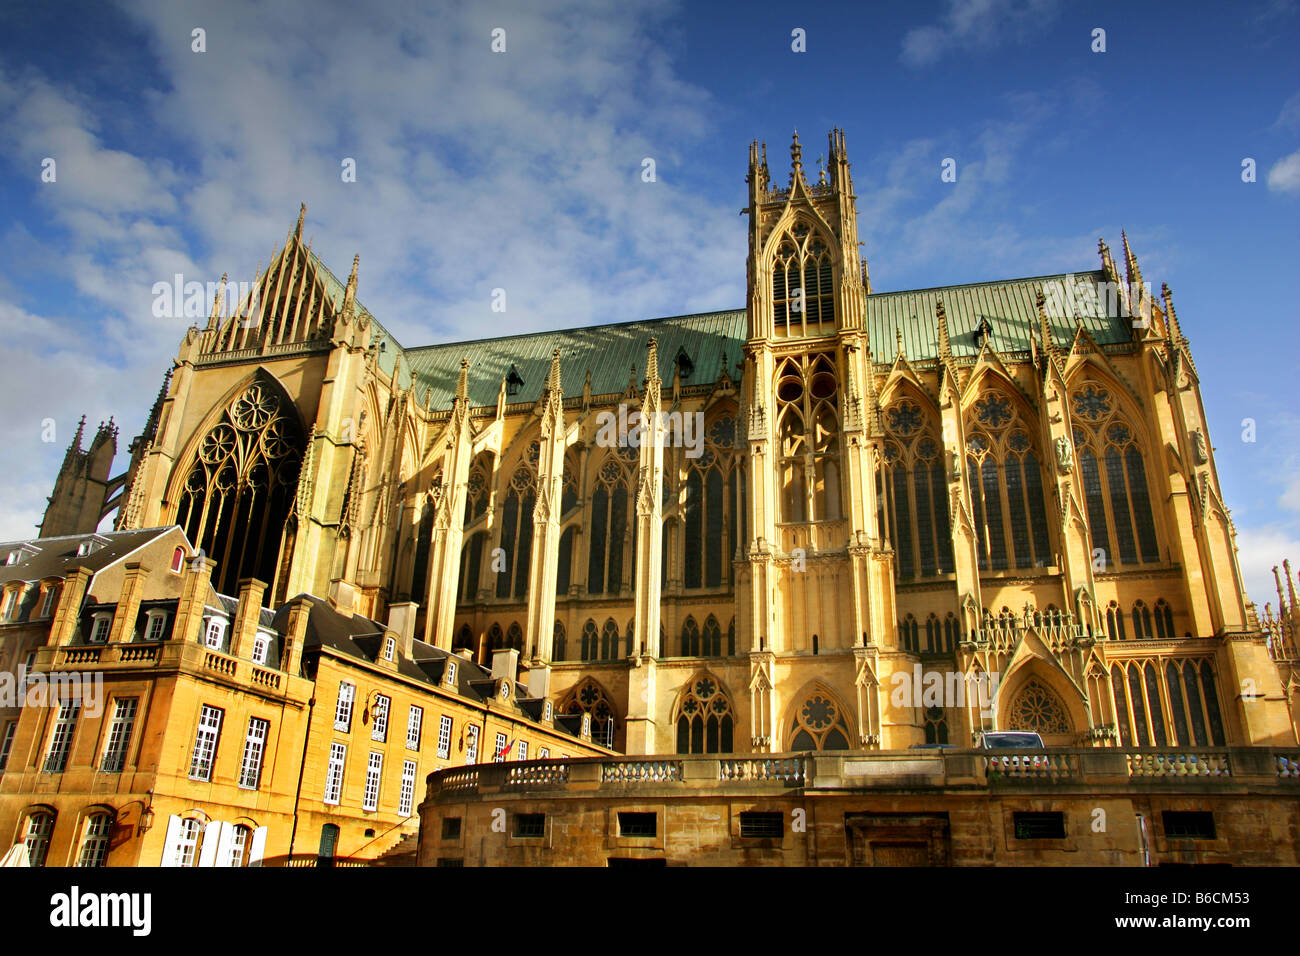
[836, 519]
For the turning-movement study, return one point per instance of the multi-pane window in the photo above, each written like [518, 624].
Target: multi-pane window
[237, 848]
[1173, 705]
[334, 774]
[261, 648]
[374, 772]
[414, 722]
[10, 604]
[343, 708]
[214, 633]
[7, 741]
[912, 493]
[471, 744]
[588, 697]
[187, 842]
[390, 647]
[704, 719]
[37, 838]
[250, 767]
[444, 736]
[523, 750]
[56, 758]
[499, 754]
[1114, 479]
[205, 743]
[407, 794]
[610, 506]
[807, 429]
[803, 284]
[517, 526]
[99, 630]
[157, 623]
[379, 729]
[710, 508]
[1006, 487]
[47, 606]
[94, 843]
[471, 564]
[119, 735]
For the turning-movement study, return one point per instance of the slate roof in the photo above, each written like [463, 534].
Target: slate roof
[56, 557]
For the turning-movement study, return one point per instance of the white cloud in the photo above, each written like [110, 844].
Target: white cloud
[1284, 177]
[1258, 550]
[975, 25]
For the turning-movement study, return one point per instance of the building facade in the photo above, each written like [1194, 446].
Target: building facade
[856, 519]
[161, 722]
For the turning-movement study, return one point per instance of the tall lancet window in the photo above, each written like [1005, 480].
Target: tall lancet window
[803, 284]
[915, 488]
[1114, 479]
[610, 504]
[239, 492]
[1006, 486]
[709, 518]
[809, 439]
[517, 526]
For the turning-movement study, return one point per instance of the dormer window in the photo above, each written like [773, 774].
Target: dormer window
[103, 620]
[685, 367]
[214, 633]
[155, 626]
[390, 646]
[83, 549]
[451, 672]
[261, 647]
[47, 605]
[13, 557]
[10, 604]
[178, 560]
[514, 381]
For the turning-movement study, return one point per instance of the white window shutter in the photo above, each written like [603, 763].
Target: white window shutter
[172, 842]
[259, 847]
[211, 834]
[225, 837]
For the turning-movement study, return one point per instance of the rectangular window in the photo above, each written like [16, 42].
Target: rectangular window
[1039, 825]
[11, 601]
[155, 630]
[1188, 824]
[762, 825]
[334, 774]
[237, 848]
[250, 768]
[414, 722]
[39, 828]
[205, 743]
[212, 636]
[640, 824]
[99, 633]
[343, 709]
[544, 753]
[471, 744]
[187, 849]
[448, 861]
[261, 647]
[389, 646]
[530, 825]
[444, 736]
[408, 789]
[451, 828]
[119, 735]
[56, 758]
[379, 730]
[22, 682]
[7, 741]
[94, 848]
[523, 750]
[374, 771]
[499, 754]
[47, 607]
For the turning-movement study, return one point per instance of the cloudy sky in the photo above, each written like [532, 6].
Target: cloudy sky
[522, 170]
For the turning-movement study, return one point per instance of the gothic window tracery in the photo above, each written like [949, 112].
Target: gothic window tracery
[610, 521]
[803, 284]
[914, 493]
[1140, 689]
[589, 697]
[819, 724]
[809, 439]
[1006, 486]
[1037, 708]
[517, 526]
[239, 492]
[704, 719]
[1113, 474]
[711, 507]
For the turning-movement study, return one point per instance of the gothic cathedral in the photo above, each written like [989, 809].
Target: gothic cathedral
[838, 519]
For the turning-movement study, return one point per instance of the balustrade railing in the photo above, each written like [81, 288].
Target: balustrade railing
[784, 769]
[1200, 763]
[641, 771]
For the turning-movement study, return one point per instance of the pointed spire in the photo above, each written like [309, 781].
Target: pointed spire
[1107, 262]
[1281, 598]
[652, 364]
[1290, 584]
[898, 337]
[796, 159]
[302, 214]
[1045, 327]
[1171, 317]
[218, 302]
[350, 293]
[462, 382]
[553, 376]
[945, 344]
[586, 391]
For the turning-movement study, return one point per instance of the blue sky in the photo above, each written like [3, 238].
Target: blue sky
[522, 171]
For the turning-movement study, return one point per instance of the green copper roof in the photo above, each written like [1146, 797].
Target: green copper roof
[334, 291]
[614, 354]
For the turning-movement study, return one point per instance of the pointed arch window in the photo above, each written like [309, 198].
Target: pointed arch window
[478, 488]
[1115, 622]
[705, 722]
[1006, 486]
[589, 697]
[517, 526]
[590, 641]
[515, 636]
[610, 504]
[819, 724]
[803, 284]
[915, 485]
[609, 639]
[690, 638]
[471, 564]
[1142, 622]
[557, 642]
[936, 726]
[1164, 616]
[709, 517]
[496, 639]
[1116, 493]
[239, 492]
[1140, 689]
[711, 638]
[909, 634]
[808, 433]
